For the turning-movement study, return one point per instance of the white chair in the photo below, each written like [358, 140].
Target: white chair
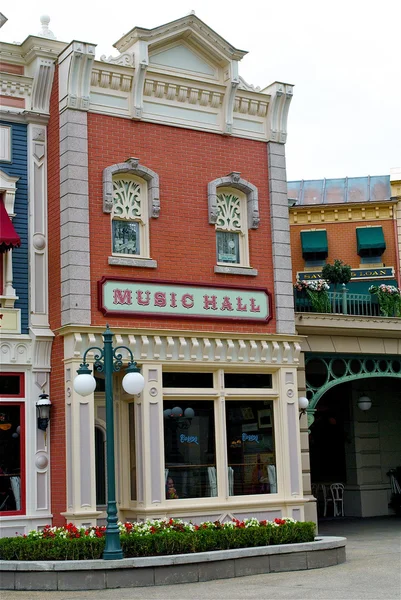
[337, 495]
[319, 490]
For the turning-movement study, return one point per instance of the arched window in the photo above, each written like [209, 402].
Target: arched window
[130, 232]
[233, 210]
[131, 196]
[231, 228]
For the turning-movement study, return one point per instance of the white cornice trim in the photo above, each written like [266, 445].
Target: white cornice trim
[206, 36]
[23, 116]
[191, 348]
[347, 325]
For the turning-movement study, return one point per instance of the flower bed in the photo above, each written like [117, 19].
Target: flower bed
[154, 538]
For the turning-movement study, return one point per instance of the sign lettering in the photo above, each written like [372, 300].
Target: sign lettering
[379, 273]
[133, 297]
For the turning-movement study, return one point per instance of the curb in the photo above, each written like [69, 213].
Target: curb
[167, 570]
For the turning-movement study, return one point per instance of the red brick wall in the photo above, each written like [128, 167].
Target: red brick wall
[57, 437]
[181, 239]
[342, 243]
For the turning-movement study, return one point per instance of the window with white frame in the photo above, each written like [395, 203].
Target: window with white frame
[233, 208]
[129, 216]
[231, 227]
[194, 435]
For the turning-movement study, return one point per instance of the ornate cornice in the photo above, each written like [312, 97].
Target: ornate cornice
[187, 347]
[16, 86]
[204, 35]
[341, 213]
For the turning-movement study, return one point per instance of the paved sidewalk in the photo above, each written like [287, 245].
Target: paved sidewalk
[372, 572]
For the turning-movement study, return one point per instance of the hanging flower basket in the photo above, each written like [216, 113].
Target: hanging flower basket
[389, 298]
[316, 291]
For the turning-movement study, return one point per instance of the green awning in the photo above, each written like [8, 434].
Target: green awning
[370, 238]
[314, 242]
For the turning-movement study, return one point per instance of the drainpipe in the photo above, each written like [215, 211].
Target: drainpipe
[397, 246]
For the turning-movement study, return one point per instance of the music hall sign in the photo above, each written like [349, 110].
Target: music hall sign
[127, 297]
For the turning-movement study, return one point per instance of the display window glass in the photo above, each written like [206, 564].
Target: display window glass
[250, 447]
[12, 466]
[190, 449]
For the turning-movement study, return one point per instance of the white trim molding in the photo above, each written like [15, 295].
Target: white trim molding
[233, 180]
[132, 167]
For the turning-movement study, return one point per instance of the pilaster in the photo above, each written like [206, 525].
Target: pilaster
[39, 307]
[149, 433]
[282, 268]
[80, 453]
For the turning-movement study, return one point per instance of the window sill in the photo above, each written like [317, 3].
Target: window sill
[125, 261]
[235, 270]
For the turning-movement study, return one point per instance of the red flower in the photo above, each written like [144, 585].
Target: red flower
[279, 521]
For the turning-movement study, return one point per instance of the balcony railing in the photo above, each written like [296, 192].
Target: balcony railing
[343, 303]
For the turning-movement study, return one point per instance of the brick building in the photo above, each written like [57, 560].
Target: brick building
[352, 351]
[169, 222]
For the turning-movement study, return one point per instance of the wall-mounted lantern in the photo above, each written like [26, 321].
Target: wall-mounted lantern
[43, 406]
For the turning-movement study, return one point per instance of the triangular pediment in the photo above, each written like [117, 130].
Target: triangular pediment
[190, 28]
[180, 56]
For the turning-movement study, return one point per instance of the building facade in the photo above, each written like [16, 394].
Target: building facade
[168, 204]
[352, 350]
[26, 72]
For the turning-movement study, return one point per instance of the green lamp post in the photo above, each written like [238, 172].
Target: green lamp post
[108, 360]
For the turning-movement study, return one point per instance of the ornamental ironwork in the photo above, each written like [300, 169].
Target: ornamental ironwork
[229, 212]
[325, 372]
[126, 199]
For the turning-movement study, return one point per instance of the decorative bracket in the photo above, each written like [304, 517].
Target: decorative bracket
[230, 97]
[277, 114]
[75, 65]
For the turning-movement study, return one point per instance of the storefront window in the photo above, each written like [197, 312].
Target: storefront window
[11, 453]
[250, 447]
[189, 448]
[132, 449]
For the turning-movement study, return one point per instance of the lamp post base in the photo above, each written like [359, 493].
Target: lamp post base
[112, 549]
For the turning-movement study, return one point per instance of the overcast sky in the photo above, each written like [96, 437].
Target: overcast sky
[343, 57]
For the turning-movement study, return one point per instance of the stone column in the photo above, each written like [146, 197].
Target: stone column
[282, 270]
[75, 68]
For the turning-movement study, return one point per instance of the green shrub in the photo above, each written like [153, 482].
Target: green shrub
[155, 538]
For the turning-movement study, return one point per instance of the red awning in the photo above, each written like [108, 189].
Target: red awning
[9, 238]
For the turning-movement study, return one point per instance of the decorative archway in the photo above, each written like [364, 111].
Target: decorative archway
[331, 370]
